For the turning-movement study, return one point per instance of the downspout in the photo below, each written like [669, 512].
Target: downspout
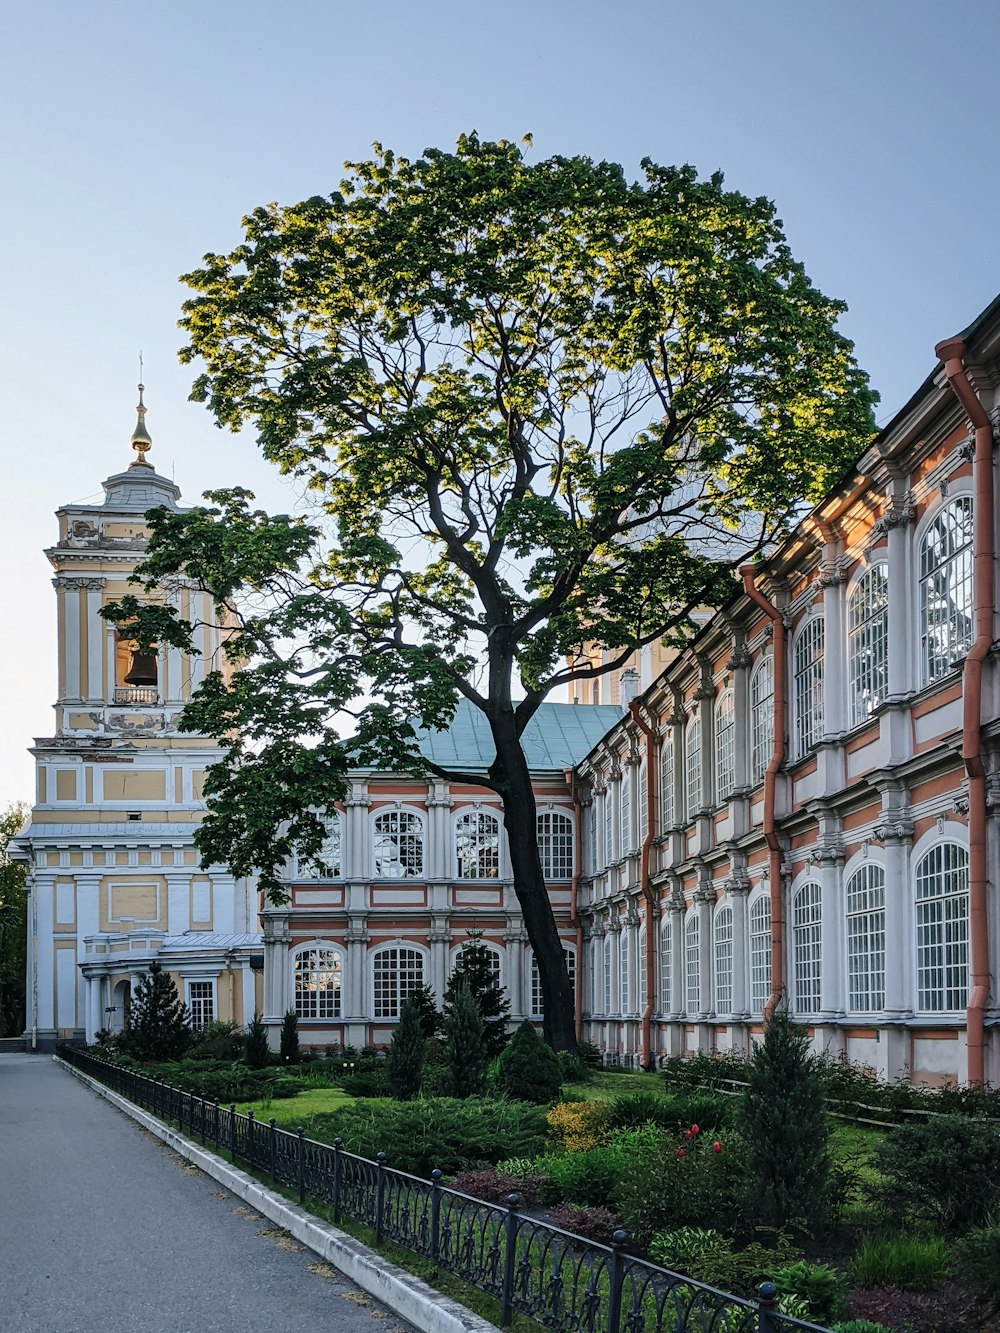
[652, 943]
[951, 352]
[574, 919]
[770, 783]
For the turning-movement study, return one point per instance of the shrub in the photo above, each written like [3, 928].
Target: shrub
[683, 1250]
[442, 1132]
[821, 1288]
[704, 1071]
[159, 1025]
[465, 1043]
[948, 1309]
[473, 972]
[977, 1257]
[495, 1185]
[590, 1176]
[579, 1125]
[430, 1018]
[255, 1049]
[671, 1112]
[289, 1046]
[405, 1060]
[589, 1054]
[573, 1068]
[685, 1183]
[913, 1263]
[597, 1223]
[528, 1069]
[704, 1255]
[226, 1083]
[370, 1082]
[942, 1171]
[859, 1326]
[218, 1041]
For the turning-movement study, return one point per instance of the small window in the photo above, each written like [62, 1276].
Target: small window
[555, 844]
[694, 790]
[946, 588]
[318, 983]
[866, 939]
[942, 881]
[201, 1002]
[667, 820]
[477, 845]
[396, 974]
[666, 964]
[761, 718]
[868, 643]
[326, 863]
[398, 845]
[607, 974]
[624, 997]
[807, 683]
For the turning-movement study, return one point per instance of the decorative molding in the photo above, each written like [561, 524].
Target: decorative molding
[897, 515]
[740, 656]
[898, 827]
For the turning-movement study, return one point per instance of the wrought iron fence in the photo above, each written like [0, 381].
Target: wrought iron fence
[559, 1280]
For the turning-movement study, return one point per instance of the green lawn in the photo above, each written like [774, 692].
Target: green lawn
[290, 1112]
[610, 1083]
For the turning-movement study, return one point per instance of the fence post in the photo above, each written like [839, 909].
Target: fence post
[204, 1121]
[617, 1279]
[250, 1125]
[337, 1145]
[435, 1212]
[510, 1223]
[379, 1197]
[274, 1150]
[301, 1135]
[215, 1123]
[767, 1305]
[232, 1132]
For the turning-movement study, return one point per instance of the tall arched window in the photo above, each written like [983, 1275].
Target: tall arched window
[607, 974]
[555, 844]
[760, 953]
[868, 642]
[807, 681]
[642, 800]
[866, 939]
[625, 815]
[477, 845]
[693, 746]
[666, 963]
[594, 965]
[807, 912]
[946, 588]
[326, 864]
[942, 884]
[691, 964]
[761, 717]
[398, 846]
[537, 1006]
[594, 861]
[725, 745]
[609, 822]
[396, 973]
[625, 993]
[318, 978]
[667, 819]
[724, 960]
[640, 969]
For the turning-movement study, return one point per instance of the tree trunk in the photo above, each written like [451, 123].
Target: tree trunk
[510, 771]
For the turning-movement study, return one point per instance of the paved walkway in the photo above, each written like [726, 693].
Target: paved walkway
[105, 1230]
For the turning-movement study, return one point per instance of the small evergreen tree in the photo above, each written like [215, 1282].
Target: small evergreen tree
[528, 1069]
[406, 1052]
[465, 1043]
[785, 1124]
[475, 972]
[289, 1050]
[430, 1017]
[255, 1049]
[159, 1025]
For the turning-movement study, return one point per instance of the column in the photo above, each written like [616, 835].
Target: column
[276, 949]
[738, 886]
[438, 864]
[901, 677]
[356, 851]
[70, 595]
[439, 938]
[95, 640]
[514, 938]
[895, 831]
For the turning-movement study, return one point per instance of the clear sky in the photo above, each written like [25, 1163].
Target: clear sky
[134, 138]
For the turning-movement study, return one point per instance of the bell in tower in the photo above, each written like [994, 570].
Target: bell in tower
[142, 670]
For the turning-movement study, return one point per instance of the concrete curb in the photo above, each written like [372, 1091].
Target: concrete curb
[404, 1294]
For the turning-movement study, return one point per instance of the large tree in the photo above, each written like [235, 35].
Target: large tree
[537, 406]
[13, 926]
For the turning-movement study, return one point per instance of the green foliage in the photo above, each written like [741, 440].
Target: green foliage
[527, 1069]
[591, 1175]
[674, 1112]
[911, 1262]
[445, 1133]
[288, 1050]
[474, 974]
[159, 1025]
[698, 1071]
[823, 1289]
[405, 1058]
[13, 927]
[705, 1255]
[573, 1068]
[784, 1122]
[430, 1017]
[218, 1040]
[859, 1326]
[941, 1171]
[977, 1257]
[256, 1052]
[686, 1183]
[465, 1043]
[367, 1081]
[226, 1083]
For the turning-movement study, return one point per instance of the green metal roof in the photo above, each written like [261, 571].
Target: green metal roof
[556, 738]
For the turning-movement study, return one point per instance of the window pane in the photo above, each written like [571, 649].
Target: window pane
[666, 783]
[691, 958]
[946, 588]
[399, 845]
[725, 745]
[868, 643]
[537, 1006]
[326, 863]
[761, 718]
[317, 983]
[808, 685]
[942, 891]
[724, 961]
[694, 801]
[866, 939]
[807, 917]
[666, 959]
[555, 844]
[396, 974]
[201, 1002]
[477, 845]
[760, 954]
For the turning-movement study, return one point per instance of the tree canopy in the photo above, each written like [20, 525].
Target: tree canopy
[13, 926]
[536, 406]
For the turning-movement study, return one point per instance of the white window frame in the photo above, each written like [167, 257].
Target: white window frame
[807, 948]
[668, 818]
[330, 856]
[642, 801]
[759, 943]
[535, 1007]
[666, 961]
[868, 642]
[606, 957]
[692, 965]
[694, 766]
[864, 898]
[942, 928]
[417, 831]
[761, 717]
[556, 850]
[625, 836]
[196, 1004]
[333, 1012]
[946, 577]
[723, 943]
[808, 653]
[479, 841]
[725, 745]
[390, 1013]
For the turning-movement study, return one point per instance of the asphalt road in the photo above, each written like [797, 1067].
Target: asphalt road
[104, 1230]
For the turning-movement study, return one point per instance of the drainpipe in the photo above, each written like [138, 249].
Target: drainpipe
[574, 919]
[652, 942]
[747, 573]
[952, 352]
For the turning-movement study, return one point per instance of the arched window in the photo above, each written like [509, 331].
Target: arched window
[807, 682]
[594, 963]
[555, 844]
[609, 822]
[761, 718]
[725, 745]
[942, 883]
[667, 782]
[760, 953]
[594, 861]
[538, 1008]
[868, 642]
[398, 845]
[691, 964]
[318, 982]
[724, 960]
[642, 800]
[946, 588]
[326, 864]
[666, 964]
[640, 969]
[477, 845]
[607, 974]
[396, 973]
[625, 817]
[624, 996]
[866, 939]
[807, 911]
[693, 746]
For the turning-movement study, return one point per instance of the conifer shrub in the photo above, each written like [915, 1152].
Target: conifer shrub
[474, 973]
[527, 1069]
[465, 1044]
[405, 1059]
[288, 1051]
[256, 1052]
[430, 1016]
[942, 1171]
[159, 1025]
[218, 1040]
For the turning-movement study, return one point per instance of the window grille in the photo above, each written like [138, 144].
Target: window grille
[396, 974]
[725, 745]
[318, 977]
[555, 844]
[866, 939]
[398, 845]
[761, 718]
[640, 969]
[201, 1002]
[666, 964]
[607, 974]
[667, 783]
[694, 795]
[693, 970]
[623, 976]
[537, 1006]
[868, 643]
[724, 960]
[595, 854]
[594, 962]
[946, 588]
[807, 912]
[609, 823]
[326, 864]
[942, 892]
[477, 845]
[625, 789]
[808, 685]
[642, 800]
[760, 954]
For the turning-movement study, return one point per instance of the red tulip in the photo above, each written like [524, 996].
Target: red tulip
[695, 1129]
[687, 1133]
[717, 1146]
[680, 1152]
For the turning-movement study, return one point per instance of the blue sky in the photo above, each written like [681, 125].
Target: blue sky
[136, 136]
